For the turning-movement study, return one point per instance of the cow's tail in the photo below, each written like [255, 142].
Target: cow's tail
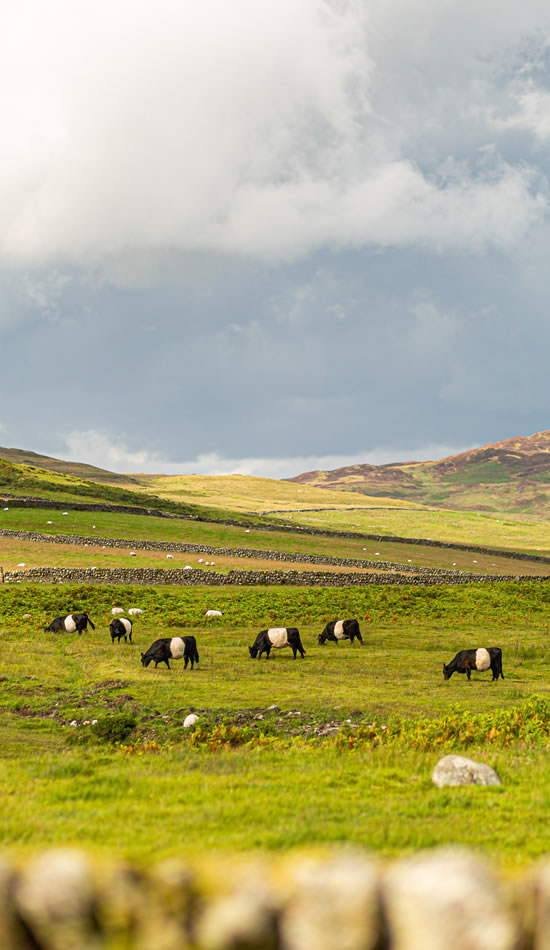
[196, 654]
[90, 622]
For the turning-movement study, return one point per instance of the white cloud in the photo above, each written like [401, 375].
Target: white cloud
[96, 448]
[532, 113]
[135, 131]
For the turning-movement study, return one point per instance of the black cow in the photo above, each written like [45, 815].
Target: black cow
[171, 648]
[70, 624]
[120, 627]
[481, 659]
[277, 637]
[337, 630]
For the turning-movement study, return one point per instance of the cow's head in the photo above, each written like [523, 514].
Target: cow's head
[321, 638]
[253, 652]
[447, 673]
[145, 660]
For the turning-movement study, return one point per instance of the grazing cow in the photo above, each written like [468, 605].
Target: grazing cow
[120, 627]
[277, 637]
[70, 624]
[341, 630]
[171, 648]
[480, 659]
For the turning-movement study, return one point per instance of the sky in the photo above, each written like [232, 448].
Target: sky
[267, 238]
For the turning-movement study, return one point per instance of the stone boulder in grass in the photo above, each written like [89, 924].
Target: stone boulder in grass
[458, 770]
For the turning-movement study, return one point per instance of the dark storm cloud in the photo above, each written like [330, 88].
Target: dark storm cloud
[262, 241]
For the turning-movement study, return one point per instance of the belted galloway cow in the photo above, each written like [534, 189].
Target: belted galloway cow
[337, 630]
[171, 648]
[72, 623]
[277, 637]
[484, 658]
[120, 627]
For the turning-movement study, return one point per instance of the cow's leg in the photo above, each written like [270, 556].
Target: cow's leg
[167, 664]
[360, 638]
[185, 662]
[468, 672]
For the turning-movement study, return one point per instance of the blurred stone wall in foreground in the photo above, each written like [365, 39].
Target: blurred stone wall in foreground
[336, 900]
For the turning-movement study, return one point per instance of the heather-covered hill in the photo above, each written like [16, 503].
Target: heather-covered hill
[512, 475]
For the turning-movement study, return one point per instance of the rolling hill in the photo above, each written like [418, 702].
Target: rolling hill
[88, 472]
[512, 475]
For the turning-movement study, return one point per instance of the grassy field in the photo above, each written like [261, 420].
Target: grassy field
[35, 554]
[135, 527]
[503, 531]
[154, 793]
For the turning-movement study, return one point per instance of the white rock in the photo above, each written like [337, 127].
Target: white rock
[171, 556]
[49, 522]
[188, 567]
[22, 564]
[459, 770]
[6, 509]
[73, 723]
[132, 553]
[65, 512]
[201, 559]
[190, 720]
[26, 617]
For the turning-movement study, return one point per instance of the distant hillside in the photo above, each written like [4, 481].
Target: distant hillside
[512, 475]
[89, 472]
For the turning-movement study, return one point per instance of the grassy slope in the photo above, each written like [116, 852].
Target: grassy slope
[469, 529]
[34, 460]
[246, 493]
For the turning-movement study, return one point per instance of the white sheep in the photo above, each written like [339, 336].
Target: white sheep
[213, 613]
[117, 610]
[134, 611]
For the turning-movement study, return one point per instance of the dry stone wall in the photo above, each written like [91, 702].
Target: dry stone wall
[443, 899]
[194, 577]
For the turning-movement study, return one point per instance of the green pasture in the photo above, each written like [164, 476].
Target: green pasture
[136, 527]
[155, 793]
[504, 532]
